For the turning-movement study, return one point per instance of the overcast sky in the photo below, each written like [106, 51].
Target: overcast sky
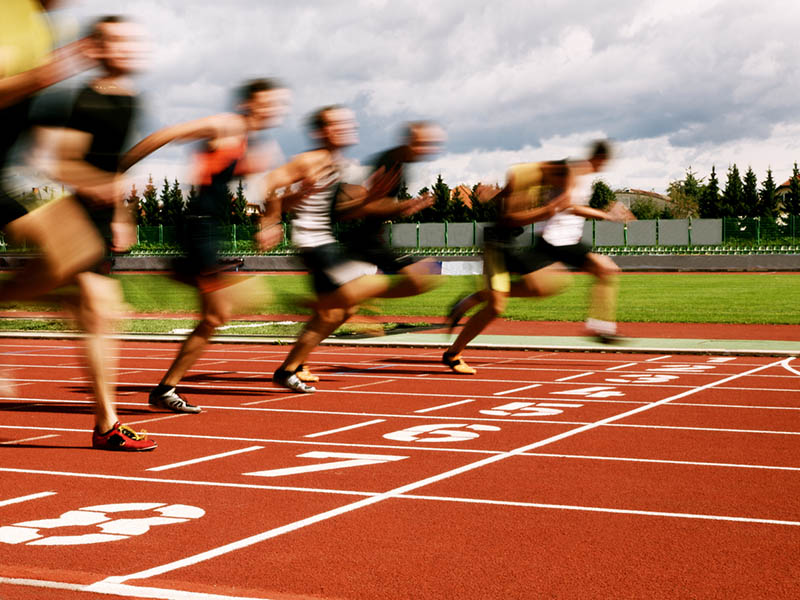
[675, 83]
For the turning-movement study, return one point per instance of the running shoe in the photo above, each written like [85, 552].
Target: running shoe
[171, 400]
[305, 375]
[610, 339]
[122, 437]
[457, 364]
[291, 381]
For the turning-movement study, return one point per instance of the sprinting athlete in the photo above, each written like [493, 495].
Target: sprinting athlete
[226, 154]
[340, 281]
[89, 149]
[529, 185]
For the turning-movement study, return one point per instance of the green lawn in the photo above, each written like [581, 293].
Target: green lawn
[657, 297]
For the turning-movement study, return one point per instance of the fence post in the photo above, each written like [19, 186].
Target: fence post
[233, 234]
[391, 232]
[474, 233]
[445, 234]
[689, 232]
[160, 233]
[137, 234]
[417, 235]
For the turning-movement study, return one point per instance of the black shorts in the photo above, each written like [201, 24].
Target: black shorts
[331, 267]
[381, 256]
[500, 261]
[573, 255]
[14, 121]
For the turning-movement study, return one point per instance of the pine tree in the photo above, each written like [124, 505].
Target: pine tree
[239, 206]
[150, 208]
[732, 194]
[171, 203]
[709, 198]
[792, 204]
[767, 200]
[134, 204]
[750, 204]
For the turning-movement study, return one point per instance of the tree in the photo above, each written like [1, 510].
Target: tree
[732, 194]
[602, 195]
[150, 208]
[647, 209]
[172, 204]
[767, 200]
[239, 206]
[792, 203]
[134, 204]
[750, 204]
[709, 198]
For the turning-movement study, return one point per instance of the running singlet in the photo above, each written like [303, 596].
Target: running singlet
[566, 228]
[311, 226]
[108, 119]
[215, 168]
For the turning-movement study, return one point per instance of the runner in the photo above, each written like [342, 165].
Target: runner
[226, 153]
[66, 241]
[560, 242]
[88, 153]
[363, 236]
[533, 192]
[340, 281]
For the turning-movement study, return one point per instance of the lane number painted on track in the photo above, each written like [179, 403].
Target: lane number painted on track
[345, 460]
[528, 409]
[599, 391]
[439, 433]
[29, 532]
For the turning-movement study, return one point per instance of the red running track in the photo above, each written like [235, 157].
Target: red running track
[547, 475]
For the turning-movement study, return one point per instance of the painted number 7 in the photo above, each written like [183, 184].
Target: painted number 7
[345, 461]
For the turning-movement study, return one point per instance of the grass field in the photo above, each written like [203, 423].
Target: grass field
[748, 298]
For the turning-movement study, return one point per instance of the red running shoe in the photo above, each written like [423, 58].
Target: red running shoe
[122, 437]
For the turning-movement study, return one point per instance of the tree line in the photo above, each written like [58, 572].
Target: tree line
[692, 196]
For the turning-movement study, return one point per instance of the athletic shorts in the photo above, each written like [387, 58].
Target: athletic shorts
[382, 257]
[500, 261]
[331, 267]
[573, 255]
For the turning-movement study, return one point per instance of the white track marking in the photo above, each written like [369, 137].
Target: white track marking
[785, 365]
[127, 591]
[433, 408]
[278, 399]
[519, 389]
[690, 463]
[350, 387]
[658, 358]
[570, 377]
[154, 419]
[620, 511]
[194, 461]
[633, 364]
[30, 439]
[21, 499]
[348, 428]
[323, 516]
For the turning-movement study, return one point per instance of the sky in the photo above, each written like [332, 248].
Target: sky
[675, 84]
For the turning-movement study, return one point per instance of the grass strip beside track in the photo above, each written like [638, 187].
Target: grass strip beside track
[744, 298]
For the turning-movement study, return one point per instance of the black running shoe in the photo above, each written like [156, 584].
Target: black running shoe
[290, 380]
[171, 400]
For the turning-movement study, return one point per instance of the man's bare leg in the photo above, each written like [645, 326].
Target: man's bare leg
[601, 319]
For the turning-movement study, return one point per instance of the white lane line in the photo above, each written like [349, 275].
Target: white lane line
[519, 389]
[620, 511]
[433, 408]
[20, 499]
[267, 401]
[350, 387]
[154, 419]
[127, 591]
[194, 461]
[568, 377]
[658, 358]
[30, 439]
[785, 365]
[349, 427]
[691, 463]
[329, 514]
[633, 364]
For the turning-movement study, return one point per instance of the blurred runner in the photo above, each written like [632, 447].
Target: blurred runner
[226, 153]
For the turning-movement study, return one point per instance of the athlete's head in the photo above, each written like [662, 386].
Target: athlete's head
[334, 127]
[599, 154]
[119, 45]
[264, 102]
[424, 139]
